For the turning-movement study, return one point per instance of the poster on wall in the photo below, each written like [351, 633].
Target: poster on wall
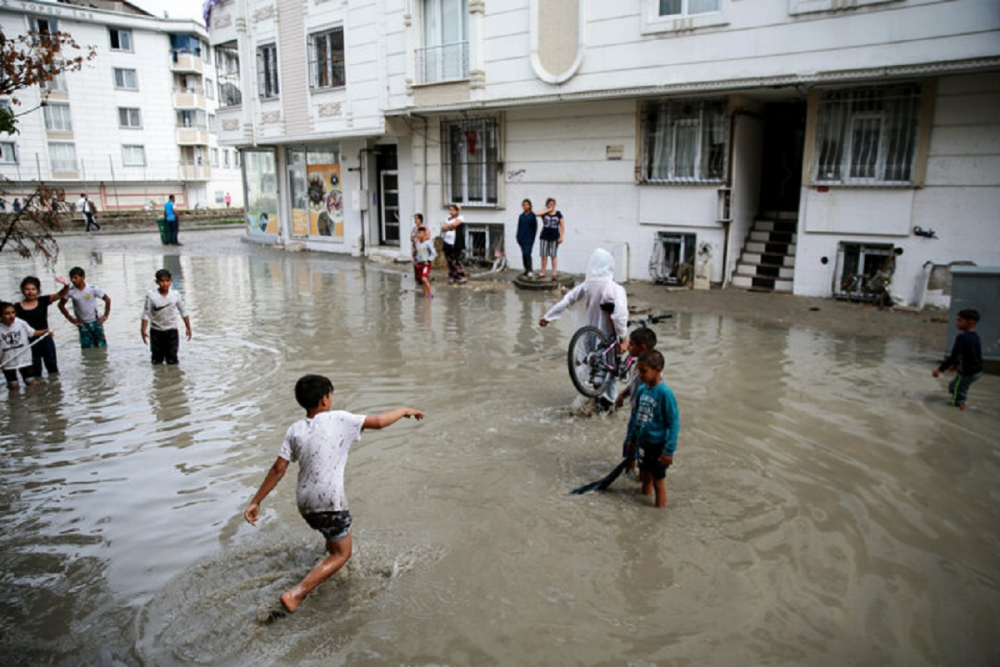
[326, 201]
[262, 222]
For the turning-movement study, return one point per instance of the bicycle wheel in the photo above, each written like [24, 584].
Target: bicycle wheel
[588, 363]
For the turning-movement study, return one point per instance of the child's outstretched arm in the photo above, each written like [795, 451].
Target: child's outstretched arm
[389, 418]
[274, 475]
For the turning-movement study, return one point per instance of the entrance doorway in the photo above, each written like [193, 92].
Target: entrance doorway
[781, 165]
[388, 196]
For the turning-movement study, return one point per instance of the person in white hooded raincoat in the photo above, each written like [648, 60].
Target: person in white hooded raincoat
[597, 290]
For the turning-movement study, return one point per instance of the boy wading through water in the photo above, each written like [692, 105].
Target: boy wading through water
[320, 443]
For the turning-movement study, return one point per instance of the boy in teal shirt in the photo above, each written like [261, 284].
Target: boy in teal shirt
[653, 426]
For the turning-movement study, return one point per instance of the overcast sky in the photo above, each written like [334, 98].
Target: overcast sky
[178, 9]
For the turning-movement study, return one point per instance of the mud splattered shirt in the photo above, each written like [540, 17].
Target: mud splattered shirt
[320, 447]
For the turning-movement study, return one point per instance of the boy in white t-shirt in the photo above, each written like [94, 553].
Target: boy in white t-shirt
[320, 443]
[159, 320]
[84, 298]
[15, 352]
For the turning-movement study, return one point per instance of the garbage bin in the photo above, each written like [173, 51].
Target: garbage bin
[164, 234]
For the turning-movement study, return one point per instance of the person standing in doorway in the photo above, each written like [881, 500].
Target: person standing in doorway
[170, 215]
[527, 230]
[454, 244]
[553, 230]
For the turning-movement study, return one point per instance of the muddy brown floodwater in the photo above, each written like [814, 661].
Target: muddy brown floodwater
[826, 506]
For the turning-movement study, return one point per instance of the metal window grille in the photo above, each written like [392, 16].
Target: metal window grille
[684, 141]
[62, 157]
[57, 118]
[326, 59]
[267, 71]
[482, 242]
[471, 158]
[867, 136]
[444, 62]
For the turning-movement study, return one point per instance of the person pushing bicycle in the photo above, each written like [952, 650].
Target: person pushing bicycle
[607, 308]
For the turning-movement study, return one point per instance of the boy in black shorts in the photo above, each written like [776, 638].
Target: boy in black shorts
[653, 426]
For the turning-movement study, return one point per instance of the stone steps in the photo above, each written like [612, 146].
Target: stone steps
[767, 262]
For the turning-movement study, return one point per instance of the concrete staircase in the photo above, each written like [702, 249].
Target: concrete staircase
[767, 263]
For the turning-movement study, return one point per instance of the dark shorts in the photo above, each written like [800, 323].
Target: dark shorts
[11, 375]
[334, 526]
[650, 462]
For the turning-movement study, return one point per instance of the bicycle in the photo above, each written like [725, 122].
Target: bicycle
[594, 361]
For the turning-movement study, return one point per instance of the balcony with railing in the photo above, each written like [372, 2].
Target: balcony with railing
[186, 62]
[444, 62]
[189, 98]
[195, 172]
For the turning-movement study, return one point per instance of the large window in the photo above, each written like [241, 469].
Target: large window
[326, 59]
[209, 88]
[8, 152]
[267, 71]
[227, 63]
[866, 136]
[121, 40]
[58, 82]
[57, 118]
[688, 7]
[126, 79]
[445, 52]
[133, 156]
[129, 117]
[684, 141]
[193, 118]
[63, 157]
[471, 157]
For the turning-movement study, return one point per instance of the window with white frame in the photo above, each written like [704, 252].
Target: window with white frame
[62, 156]
[326, 59]
[192, 118]
[225, 158]
[133, 156]
[866, 136]
[688, 7]
[227, 63]
[445, 52]
[129, 117]
[213, 124]
[8, 152]
[121, 40]
[684, 141]
[43, 25]
[57, 118]
[209, 88]
[471, 159]
[125, 79]
[267, 71]
[214, 152]
[58, 82]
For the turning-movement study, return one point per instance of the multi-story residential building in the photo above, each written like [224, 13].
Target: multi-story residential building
[134, 125]
[795, 145]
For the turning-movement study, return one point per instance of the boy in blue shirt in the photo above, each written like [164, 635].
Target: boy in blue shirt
[966, 357]
[653, 426]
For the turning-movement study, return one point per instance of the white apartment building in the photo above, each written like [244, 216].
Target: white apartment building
[794, 145]
[134, 125]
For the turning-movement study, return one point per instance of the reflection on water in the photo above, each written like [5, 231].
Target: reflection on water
[826, 506]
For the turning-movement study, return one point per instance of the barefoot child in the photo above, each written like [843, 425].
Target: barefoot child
[424, 257]
[966, 357]
[320, 443]
[34, 310]
[653, 427]
[15, 355]
[159, 314]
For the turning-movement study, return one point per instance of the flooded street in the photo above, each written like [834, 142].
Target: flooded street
[826, 506]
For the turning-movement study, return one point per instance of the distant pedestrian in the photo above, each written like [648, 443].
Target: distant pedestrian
[527, 230]
[553, 231]
[173, 222]
[424, 259]
[85, 317]
[159, 316]
[229, 200]
[89, 210]
[418, 222]
[454, 244]
[34, 310]
[966, 357]
[17, 205]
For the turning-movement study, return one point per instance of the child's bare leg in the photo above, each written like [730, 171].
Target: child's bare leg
[660, 487]
[555, 263]
[647, 482]
[340, 553]
[427, 287]
[545, 263]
